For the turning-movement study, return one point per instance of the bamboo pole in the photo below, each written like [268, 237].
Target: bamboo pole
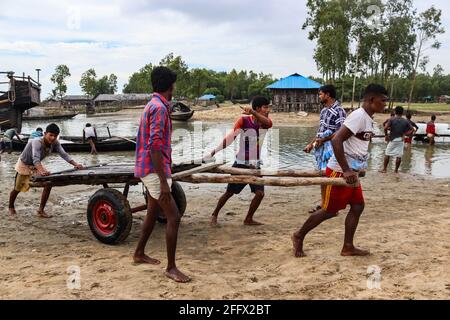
[268, 172]
[267, 181]
[202, 168]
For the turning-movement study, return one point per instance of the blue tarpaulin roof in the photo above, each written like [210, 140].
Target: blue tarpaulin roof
[295, 81]
[207, 97]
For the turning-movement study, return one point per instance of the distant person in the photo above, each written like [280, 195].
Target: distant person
[38, 133]
[332, 117]
[409, 137]
[351, 153]
[251, 129]
[431, 130]
[154, 168]
[8, 136]
[398, 128]
[386, 134]
[90, 134]
[29, 164]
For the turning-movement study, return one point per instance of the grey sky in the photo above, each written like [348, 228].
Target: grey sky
[121, 36]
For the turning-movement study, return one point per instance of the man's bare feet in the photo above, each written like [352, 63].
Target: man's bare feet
[382, 171]
[139, 259]
[12, 211]
[213, 220]
[316, 208]
[252, 222]
[352, 251]
[298, 247]
[177, 275]
[42, 214]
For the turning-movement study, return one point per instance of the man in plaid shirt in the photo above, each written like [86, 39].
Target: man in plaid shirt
[332, 117]
[153, 167]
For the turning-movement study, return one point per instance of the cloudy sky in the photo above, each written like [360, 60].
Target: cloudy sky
[120, 36]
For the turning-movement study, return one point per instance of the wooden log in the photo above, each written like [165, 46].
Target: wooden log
[267, 181]
[202, 168]
[268, 172]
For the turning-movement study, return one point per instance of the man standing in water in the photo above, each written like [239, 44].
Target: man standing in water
[409, 137]
[153, 167]
[29, 163]
[431, 130]
[251, 138]
[332, 117]
[398, 128]
[351, 153]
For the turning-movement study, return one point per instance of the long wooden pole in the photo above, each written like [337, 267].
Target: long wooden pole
[202, 168]
[267, 181]
[268, 172]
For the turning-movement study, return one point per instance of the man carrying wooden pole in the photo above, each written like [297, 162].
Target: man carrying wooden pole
[351, 145]
[248, 157]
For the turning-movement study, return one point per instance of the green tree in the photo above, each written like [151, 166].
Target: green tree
[91, 86]
[59, 79]
[429, 26]
[180, 67]
[140, 82]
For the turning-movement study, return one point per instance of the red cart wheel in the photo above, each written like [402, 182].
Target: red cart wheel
[109, 216]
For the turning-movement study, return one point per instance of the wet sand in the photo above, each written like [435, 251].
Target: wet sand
[406, 225]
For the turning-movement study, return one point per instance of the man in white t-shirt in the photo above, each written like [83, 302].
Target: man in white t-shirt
[90, 134]
[351, 152]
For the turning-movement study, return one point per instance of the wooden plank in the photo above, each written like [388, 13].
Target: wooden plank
[267, 181]
[268, 172]
[202, 168]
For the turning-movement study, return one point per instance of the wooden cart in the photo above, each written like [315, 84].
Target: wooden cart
[109, 213]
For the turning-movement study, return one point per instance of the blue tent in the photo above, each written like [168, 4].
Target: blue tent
[207, 97]
[295, 81]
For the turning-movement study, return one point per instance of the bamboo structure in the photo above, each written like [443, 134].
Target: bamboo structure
[295, 100]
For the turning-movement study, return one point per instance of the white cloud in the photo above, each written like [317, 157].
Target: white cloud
[121, 36]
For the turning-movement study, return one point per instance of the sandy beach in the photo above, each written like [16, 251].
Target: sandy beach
[406, 225]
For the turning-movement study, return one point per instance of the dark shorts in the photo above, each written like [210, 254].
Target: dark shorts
[237, 188]
[94, 139]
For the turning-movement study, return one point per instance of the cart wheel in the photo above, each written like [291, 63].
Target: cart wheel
[180, 199]
[109, 216]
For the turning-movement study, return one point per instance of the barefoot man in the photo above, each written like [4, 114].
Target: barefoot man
[248, 157]
[332, 117]
[29, 164]
[153, 167]
[350, 145]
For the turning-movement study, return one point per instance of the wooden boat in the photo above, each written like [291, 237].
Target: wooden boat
[75, 144]
[23, 93]
[54, 117]
[181, 112]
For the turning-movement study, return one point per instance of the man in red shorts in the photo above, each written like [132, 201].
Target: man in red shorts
[351, 152]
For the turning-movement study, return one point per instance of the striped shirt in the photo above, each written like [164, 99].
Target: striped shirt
[154, 134]
[331, 118]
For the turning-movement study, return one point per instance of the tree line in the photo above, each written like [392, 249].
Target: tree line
[385, 41]
[191, 83]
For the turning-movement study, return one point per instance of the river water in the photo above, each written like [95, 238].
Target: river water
[282, 149]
